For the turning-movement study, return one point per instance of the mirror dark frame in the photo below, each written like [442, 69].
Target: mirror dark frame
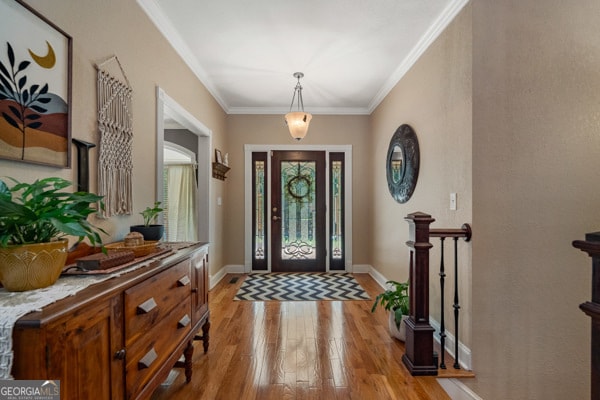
[406, 139]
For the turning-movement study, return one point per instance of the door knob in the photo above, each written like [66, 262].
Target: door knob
[276, 218]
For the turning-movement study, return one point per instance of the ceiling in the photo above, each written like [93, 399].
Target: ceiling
[352, 52]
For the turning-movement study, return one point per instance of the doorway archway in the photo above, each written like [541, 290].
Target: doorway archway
[167, 109]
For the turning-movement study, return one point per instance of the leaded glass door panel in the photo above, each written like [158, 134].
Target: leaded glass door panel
[298, 211]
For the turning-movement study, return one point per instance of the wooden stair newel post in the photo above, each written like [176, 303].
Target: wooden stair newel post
[419, 355]
[592, 308]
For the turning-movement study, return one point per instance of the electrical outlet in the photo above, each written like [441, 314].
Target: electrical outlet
[453, 201]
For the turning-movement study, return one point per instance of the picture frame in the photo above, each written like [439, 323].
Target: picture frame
[35, 76]
[218, 156]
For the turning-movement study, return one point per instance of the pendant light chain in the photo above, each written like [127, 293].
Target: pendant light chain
[298, 121]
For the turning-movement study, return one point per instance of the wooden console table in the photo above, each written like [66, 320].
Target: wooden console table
[119, 339]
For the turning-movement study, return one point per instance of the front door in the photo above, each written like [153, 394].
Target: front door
[298, 208]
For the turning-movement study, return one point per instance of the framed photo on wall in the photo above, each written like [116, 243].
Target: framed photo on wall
[35, 87]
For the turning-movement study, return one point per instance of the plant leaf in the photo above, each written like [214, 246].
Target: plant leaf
[11, 55]
[38, 109]
[398, 317]
[25, 96]
[16, 112]
[34, 125]
[10, 120]
[4, 190]
[14, 210]
[70, 228]
[22, 82]
[44, 100]
[33, 116]
[33, 89]
[4, 70]
[44, 89]
[23, 65]
[6, 84]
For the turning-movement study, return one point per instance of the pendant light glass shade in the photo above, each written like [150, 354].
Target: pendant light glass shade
[298, 121]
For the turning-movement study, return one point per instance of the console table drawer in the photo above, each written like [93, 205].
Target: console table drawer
[151, 301]
[118, 338]
[149, 353]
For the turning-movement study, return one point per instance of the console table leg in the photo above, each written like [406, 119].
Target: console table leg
[205, 336]
[188, 353]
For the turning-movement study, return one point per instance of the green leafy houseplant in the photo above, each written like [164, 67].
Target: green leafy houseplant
[34, 220]
[150, 231]
[151, 213]
[394, 299]
[41, 211]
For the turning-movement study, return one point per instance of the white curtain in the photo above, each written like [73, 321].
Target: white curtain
[182, 216]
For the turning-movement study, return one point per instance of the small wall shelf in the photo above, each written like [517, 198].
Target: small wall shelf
[219, 170]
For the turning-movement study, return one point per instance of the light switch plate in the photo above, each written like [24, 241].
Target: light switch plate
[453, 201]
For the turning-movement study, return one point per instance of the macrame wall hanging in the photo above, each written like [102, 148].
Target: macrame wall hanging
[115, 164]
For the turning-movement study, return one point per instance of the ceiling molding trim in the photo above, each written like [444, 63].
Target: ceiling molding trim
[315, 111]
[156, 15]
[440, 24]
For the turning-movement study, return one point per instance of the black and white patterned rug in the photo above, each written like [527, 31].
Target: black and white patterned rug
[300, 287]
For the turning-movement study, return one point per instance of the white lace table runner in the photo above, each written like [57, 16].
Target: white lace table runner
[14, 305]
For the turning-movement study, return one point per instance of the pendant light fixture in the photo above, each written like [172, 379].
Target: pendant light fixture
[297, 121]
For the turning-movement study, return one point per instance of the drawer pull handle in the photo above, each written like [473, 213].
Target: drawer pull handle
[147, 360]
[183, 322]
[195, 290]
[147, 306]
[183, 281]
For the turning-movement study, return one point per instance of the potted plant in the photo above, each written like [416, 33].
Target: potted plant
[395, 299]
[35, 218]
[149, 230]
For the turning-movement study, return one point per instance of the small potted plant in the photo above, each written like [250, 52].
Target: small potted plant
[395, 299]
[35, 219]
[150, 230]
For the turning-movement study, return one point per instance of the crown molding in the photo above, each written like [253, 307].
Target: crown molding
[312, 110]
[449, 13]
[156, 15]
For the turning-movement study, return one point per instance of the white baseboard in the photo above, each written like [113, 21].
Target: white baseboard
[216, 278]
[228, 269]
[240, 269]
[380, 279]
[464, 353]
[235, 269]
[360, 269]
[457, 390]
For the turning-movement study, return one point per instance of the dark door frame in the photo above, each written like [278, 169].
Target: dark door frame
[251, 148]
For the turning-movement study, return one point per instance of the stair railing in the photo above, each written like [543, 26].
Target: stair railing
[420, 357]
[592, 308]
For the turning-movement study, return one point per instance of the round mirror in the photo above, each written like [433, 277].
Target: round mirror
[402, 163]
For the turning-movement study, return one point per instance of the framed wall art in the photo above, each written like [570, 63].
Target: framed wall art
[35, 87]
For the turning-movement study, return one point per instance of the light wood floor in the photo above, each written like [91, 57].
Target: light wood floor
[299, 350]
